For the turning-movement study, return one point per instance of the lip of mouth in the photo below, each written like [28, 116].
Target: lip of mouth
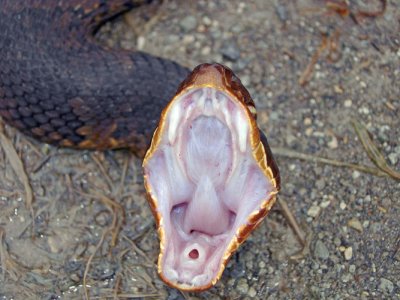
[207, 189]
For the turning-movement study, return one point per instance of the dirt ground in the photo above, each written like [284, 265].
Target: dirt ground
[318, 70]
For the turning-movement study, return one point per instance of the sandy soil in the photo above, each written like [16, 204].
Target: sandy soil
[313, 73]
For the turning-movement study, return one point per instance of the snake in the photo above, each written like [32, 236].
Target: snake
[209, 173]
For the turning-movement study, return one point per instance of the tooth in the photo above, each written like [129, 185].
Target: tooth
[202, 98]
[188, 111]
[242, 128]
[226, 114]
[171, 274]
[200, 279]
[219, 100]
[228, 121]
[174, 119]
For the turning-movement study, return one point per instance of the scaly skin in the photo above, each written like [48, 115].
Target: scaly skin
[58, 85]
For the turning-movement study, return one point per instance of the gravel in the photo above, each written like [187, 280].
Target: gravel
[268, 44]
[386, 286]
[230, 51]
[321, 251]
[188, 23]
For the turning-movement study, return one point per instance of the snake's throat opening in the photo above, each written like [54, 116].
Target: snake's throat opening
[208, 185]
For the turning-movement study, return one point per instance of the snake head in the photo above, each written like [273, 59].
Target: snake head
[209, 175]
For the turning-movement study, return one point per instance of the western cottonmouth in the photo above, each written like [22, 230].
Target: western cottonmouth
[209, 173]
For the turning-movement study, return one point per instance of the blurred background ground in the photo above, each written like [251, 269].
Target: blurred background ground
[313, 67]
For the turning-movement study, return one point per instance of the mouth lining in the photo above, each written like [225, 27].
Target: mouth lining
[210, 186]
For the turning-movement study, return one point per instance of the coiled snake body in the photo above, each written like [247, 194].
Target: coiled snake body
[59, 85]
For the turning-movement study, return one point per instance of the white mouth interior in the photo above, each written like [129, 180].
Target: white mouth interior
[206, 183]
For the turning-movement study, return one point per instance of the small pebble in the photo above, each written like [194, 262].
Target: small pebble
[385, 285]
[141, 41]
[207, 21]
[355, 174]
[206, 50]
[347, 277]
[309, 131]
[242, 286]
[325, 204]
[281, 12]
[320, 184]
[230, 50]
[394, 156]
[188, 23]
[338, 89]
[355, 224]
[252, 292]
[333, 144]
[321, 251]
[307, 121]
[313, 211]
[347, 103]
[348, 253]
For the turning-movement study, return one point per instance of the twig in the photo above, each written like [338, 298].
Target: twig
[291, 220]
[117, 192]
[19, 170]
[17, 165]
[41, 163]
[103, 236]
[138, 250]
[372, 150]
[306, 248]
[306, 75]
[102, 170]
[117, 287]
[373, 14]
[278, 151]
[7, 263]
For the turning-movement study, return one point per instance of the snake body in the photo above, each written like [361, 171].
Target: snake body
[60, 86]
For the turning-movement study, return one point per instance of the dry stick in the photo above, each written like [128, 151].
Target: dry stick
[17, 165]
[7, 263]
[117, 286]
[372, 150]
[149, 24]
[137, 296]
[103, 236]
[117, 192]
[19, 169]
[373, 14]
[117, 223]
[306, 75]
[102, 170]
[114, 229]
[306, 248]
[292, 220]
[41, 163]
[278, 151]
[138, 250]
[3, 258]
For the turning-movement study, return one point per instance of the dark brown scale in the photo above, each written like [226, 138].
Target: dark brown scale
[58, 85]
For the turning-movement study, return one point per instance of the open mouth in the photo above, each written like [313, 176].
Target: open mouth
[206, 185]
